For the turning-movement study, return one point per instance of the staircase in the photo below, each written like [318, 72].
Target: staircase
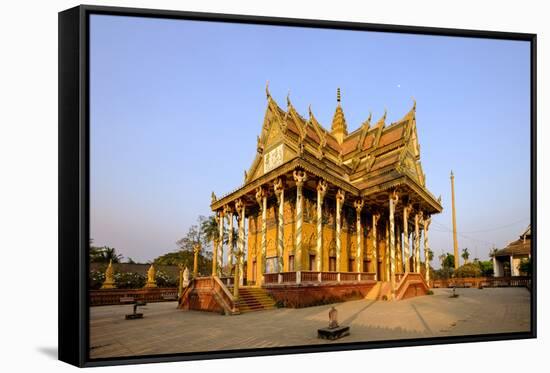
[378, 291]
[254, 299]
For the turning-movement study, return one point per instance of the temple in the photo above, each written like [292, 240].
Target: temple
[328, 207]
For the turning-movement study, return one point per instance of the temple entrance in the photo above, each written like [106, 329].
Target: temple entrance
[351, 265]
[311, 262]
[332, 264]
[291, 263]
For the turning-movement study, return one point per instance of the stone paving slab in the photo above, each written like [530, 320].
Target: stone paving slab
[165, 329]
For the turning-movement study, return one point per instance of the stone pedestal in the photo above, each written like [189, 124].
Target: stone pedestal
[333, 333]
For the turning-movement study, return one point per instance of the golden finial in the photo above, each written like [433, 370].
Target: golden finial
[288, 99]
[452, 175]
[309, 111]
[268, 95]
[385, 114]
[338, 96]
[370, 116]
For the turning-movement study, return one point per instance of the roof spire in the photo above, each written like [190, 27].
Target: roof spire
[268, 95]
[339, 128]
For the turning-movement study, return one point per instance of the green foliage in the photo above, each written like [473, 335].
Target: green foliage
[96, 279]
[430, 292]
[104, 255]
[129, 280]
[443, 273]
[163, 280]
[465, 254]
[525, 267]
[486, 268]
[468, 270]
[449, 261]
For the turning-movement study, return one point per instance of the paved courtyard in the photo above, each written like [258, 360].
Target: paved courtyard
[166, 329]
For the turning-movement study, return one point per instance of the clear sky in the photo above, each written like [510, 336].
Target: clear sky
[176, 107]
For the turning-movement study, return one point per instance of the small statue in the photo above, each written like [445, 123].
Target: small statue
[151, 283]
[109, 282]
[186, 275]
[332, 318]
[214, 198]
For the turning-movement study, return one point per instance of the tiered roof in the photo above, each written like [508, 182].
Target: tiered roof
[373, 158]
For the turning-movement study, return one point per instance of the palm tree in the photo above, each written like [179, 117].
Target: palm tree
[109, 254]
[442, 258]
[209, 229]
[465, 255]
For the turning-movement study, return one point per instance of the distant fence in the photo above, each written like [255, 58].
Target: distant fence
[113, 296]
[489, 282]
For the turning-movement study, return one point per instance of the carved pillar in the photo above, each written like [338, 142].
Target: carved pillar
[299, 177]
[322, 187]
[279, 189]
[406, 211]
[358, 204]
[340, 196]
[398, 248]
[387, 253]
[196, 250]
[261, 198]
[241, 210]
[417, 218]
[230, 249]
[375, 218]
[427, 222]
[393, 202]
[220, 243]
[215, 250]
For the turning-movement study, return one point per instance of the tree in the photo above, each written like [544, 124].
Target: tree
[465, 255]
[449, 261]
[209, 229]
[486, 267]
[468, 270]
[430, 254]
[104, 255]
[525, 267]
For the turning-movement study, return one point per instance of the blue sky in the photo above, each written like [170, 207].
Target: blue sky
[176, 107]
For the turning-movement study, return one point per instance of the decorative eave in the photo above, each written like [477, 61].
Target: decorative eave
[282, 170]
[409, 182]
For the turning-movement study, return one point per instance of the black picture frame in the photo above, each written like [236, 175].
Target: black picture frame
[74, 189]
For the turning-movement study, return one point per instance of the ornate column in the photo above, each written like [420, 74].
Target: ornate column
[340, 196]
[322, 188]
[398, 248]
[261, 198]
[220, 243]
[358, 204]
[393, 202]
[299, 177]
[375, 218]
[406, 211]
[279, 189]
[196, 250]
[229, 215]
[417, 218]
[241, 210]
[427, 222]
[215, 250]
[387, 252]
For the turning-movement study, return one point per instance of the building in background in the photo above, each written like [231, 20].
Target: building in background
[506, 261]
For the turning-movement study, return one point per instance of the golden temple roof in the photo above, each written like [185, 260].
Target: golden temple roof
[370, 159]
